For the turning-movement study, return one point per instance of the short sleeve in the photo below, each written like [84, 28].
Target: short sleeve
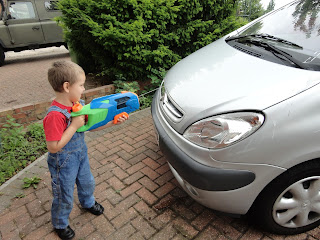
[54, 125]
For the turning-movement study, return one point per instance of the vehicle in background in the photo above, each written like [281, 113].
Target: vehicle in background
[28, 24]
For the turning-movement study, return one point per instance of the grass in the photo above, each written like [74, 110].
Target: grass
[19, 147]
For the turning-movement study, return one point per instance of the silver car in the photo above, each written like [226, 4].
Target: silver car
[239, 120]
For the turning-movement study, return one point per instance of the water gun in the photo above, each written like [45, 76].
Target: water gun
[105, 109]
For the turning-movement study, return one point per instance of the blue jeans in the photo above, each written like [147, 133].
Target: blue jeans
[68, 167]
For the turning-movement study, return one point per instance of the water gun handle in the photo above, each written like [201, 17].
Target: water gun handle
[116, 117]
[77, 107]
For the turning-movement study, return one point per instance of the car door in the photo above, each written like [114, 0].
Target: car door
[47, 10]
[23, 23]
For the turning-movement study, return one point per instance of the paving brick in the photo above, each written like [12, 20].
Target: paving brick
[123, 164]
[133, 178]
[14, 235]
[167, 232]
[185, 228]
[209, 234]
[136, 167]
[137, 158]
[23, 201]
[125, 155]
[145, 210]
[51, 236]
[143, 226]
[103, 225]
[184, 211]
[119, 173]
[151, 163]
[146, 182]
[13, 214]
[125, 146]
[128, 202]
[165, 189]
[147, 196]
[152, 154]
[138, 144]
[163, 169]
[131, 189]
[253, 234]
[116, 183]
[137, 236]
[39, 233]
[202, 220]
[124, 218]
[226, 229]
[43, 219]
[123, 233]
[164, 178]
[150, 173]
[163, 219]
[85, 230]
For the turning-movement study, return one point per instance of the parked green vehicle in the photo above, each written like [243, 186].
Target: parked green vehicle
[28, 24]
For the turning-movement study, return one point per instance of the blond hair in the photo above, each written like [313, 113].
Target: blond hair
[63, 71]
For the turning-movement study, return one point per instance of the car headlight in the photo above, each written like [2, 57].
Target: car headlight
[223, 130]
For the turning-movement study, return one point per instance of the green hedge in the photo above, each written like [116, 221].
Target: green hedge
[131, 37]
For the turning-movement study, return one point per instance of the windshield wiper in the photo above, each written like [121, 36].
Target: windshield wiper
[265, 36]
[275, 51]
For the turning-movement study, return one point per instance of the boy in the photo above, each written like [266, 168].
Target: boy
[67, 158]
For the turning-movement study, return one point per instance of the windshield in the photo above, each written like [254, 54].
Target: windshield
[298, 22]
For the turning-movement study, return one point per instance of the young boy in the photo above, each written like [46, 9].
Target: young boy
[68, 158]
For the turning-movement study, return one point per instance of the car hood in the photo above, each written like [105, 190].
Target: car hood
[218, 79]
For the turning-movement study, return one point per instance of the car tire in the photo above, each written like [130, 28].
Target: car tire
[2, 57]
[291, 203]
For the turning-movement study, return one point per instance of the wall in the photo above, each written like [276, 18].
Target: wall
[33, 112]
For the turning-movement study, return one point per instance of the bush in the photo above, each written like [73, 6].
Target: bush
[131, 37]
[19, 147]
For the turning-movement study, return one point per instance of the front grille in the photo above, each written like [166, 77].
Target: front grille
[170, 109]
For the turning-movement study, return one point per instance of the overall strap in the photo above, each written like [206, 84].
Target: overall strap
[82, 102]
[63, 111]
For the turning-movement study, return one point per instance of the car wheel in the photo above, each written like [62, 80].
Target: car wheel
[291, 203]
[2, 56]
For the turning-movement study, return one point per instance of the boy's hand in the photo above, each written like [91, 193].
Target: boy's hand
[78, 121]
[122, 119]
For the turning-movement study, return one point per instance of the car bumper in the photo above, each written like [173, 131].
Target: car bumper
[199, 175]
[226, 187]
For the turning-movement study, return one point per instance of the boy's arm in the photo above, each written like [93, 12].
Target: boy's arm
[56, 146]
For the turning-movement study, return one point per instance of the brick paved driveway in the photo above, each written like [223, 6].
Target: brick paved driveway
[142, 199]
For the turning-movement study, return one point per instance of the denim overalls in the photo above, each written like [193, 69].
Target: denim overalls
[69, 166]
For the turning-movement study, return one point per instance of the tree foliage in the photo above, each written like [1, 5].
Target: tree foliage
[270, 6]
[131, 37]
[251, 9]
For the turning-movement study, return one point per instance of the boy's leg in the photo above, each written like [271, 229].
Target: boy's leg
[85, 182]
[64, 173]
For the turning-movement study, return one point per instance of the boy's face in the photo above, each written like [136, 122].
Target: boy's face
[76, 89]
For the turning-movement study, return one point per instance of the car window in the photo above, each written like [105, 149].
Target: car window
[51, 5]
[298, 22]
[21, 10]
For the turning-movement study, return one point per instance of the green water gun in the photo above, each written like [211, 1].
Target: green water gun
[105, 109]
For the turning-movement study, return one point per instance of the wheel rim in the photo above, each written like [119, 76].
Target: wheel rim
[299, 204]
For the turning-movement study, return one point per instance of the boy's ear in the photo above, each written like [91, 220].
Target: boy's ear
[66, 86]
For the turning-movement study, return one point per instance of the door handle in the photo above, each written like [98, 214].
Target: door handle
[35, 28]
